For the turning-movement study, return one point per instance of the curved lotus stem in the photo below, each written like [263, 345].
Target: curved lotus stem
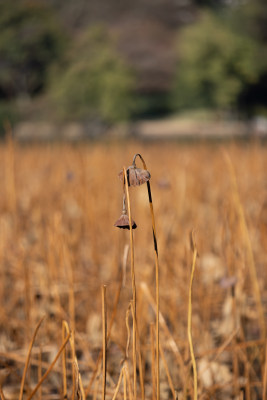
[156, 269]
[132, 274]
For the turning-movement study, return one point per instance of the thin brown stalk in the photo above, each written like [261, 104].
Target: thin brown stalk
[152, 339]
[127, 374]
[40, 370]
[142, 386]
[113, 315]
[249, 250]
[104, 348]
[235, 369]
[27, 292]
[70, 275]
[229, 348]
[118, 385]
[128, 332]
[124, 385]
[187, 390]
[189, 319]
[234, 353]
[165, 328]
[124, 263]
[77, 385]
[167, 371]
[156, 271]
[71, 297]
[264, 389]
[1, 393]
[97, 381]
[50, 368]
[247, 376]
[219, 351]
[28, 358]
[81, 388]
[74, 381]
[224, 345]
[132, 276]
[64, 369]
[21, 359]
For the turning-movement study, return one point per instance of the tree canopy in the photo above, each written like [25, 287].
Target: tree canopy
[30, 40]
[215, 64]
[113, 61]
[94, 81]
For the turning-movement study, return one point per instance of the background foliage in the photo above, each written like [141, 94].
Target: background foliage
[94, 82]
[216, 64]
[114, 62]
[30, 41]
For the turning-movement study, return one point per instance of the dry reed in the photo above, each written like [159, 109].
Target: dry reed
[58, 246]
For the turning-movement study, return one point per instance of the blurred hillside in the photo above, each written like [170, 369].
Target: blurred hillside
[109, 61]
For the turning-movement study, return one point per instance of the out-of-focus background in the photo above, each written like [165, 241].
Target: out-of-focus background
[118, 70]
[75, 69]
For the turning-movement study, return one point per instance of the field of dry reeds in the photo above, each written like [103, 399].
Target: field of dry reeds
[66, 316]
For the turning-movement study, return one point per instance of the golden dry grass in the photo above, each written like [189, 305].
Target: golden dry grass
[58, 247]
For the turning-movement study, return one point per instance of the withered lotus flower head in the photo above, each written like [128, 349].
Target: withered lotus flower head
[124, 223]
[135, 176]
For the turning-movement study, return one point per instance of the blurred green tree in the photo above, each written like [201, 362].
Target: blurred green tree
[30, 41]
[215, 64]
[94, 83]
[252, 15]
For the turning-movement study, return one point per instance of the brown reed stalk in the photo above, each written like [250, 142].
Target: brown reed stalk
[27, 291]
[234, 354]
[118, 385]
[28, 358]
[235, 368]
[218, 351]
[76, 376]
[167, 371]
[127, 374]
[247, 376]
[97, 381]
[70, 276]
[1, 393]
[187, 390]
[244, 357]
[122, 373]
[189, 316]
[64, 369]
[142, 386]
[156, 270]
[40, 370]
[71, 297]
[124, 263]
[2, 396]
[124, 385]
[249, 250]
[104, 348]
[113, 315]
[264, 388]
[152, 340]
[132, 276]
[128, 332]
[50, 368]
[164, 326]
[74, 382]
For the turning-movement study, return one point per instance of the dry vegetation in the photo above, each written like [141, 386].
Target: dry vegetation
[58, 247]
